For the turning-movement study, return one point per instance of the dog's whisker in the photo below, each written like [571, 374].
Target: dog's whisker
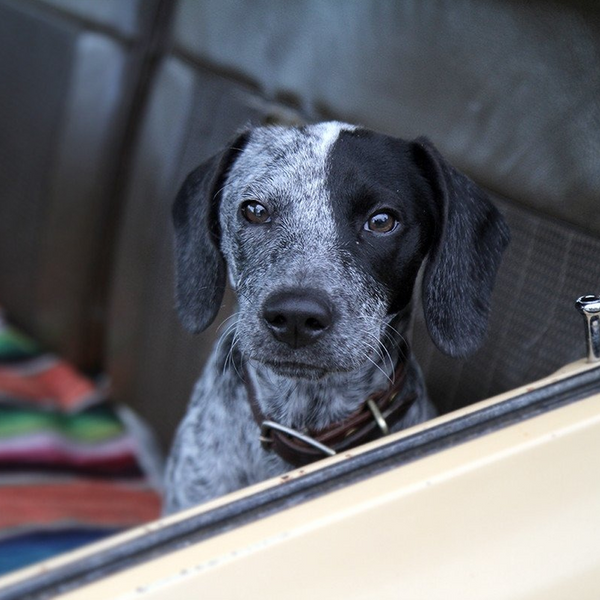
[376, 347]
[394, 330]
[222, 323]
[384, 373]
[379, 322]
[230, 358]
[227, 359]
[388, 336]
[387, 352]
[402, 347]
[376, 350]
[232, 327]
[391, 379]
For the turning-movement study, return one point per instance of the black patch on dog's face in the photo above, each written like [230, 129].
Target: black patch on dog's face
[370, 173]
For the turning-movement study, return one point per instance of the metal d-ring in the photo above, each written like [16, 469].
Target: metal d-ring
[379, 419]
[268, 425]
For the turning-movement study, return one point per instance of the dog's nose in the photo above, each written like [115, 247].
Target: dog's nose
[297, 318]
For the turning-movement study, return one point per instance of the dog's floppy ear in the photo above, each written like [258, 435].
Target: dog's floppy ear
[462, 264]
[200, 266]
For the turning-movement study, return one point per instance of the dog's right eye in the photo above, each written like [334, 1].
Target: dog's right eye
[255, 212]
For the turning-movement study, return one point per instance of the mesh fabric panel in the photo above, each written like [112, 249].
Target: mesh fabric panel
[534, 327]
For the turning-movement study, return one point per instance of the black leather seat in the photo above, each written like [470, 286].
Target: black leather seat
[70, 71]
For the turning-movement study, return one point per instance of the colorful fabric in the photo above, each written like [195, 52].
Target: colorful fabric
[14, 345]
[48, 382]
[91, 442]
[72, 468]
[68, 503]
[41, 545]
[30, 376]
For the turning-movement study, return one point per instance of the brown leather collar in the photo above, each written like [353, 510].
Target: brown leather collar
[380, 411]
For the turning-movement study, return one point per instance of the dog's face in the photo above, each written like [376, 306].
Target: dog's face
[323, 218]
[323, 230]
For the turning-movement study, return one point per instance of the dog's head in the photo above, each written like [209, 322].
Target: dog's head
[323, 230]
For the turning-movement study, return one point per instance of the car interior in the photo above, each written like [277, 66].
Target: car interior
[106, 106]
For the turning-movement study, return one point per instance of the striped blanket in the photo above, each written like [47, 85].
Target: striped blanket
[73, 468]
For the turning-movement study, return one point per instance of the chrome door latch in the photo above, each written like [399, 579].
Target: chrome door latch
[589, 307]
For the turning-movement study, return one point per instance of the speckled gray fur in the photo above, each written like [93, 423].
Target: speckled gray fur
[217, 448]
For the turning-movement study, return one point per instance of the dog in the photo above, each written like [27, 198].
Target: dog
[323, 231]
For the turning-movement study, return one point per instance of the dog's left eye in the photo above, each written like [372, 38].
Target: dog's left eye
[255, 212]
[382, 222]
